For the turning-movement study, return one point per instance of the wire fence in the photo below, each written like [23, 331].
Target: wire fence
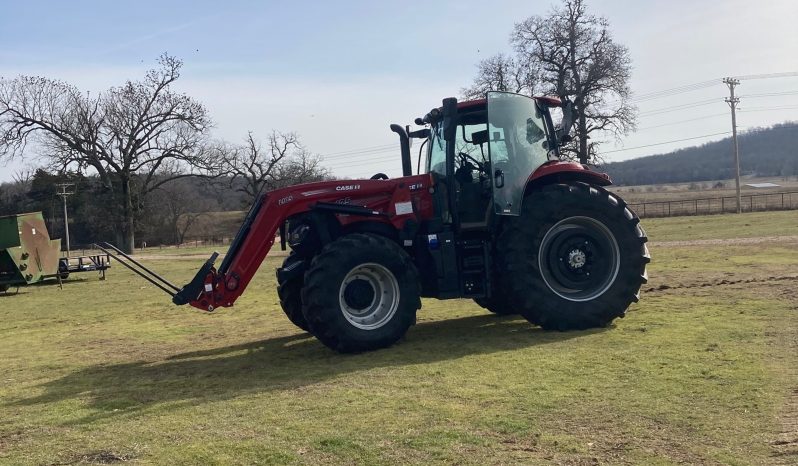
[717, 205]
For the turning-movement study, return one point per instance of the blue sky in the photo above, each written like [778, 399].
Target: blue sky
[340, 72]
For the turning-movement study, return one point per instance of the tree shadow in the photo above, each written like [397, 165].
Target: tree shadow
[283, 363]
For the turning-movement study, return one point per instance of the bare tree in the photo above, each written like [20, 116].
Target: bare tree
[572, 54]
[24, 176]
[302, 166]
[136, 137]
[503, 73]
[181, 208]
[282, 162]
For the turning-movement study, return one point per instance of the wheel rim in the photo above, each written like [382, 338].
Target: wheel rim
[579, 258]
[369, 296]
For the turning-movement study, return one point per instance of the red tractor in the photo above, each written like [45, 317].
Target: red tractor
[495, 216]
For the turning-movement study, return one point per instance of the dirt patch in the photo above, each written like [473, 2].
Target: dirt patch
[721, 283]
[785, 446]
[727, 241]
[785, 443]
[8, 439]
[97, 457]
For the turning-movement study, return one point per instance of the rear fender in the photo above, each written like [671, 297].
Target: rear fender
[563, 172]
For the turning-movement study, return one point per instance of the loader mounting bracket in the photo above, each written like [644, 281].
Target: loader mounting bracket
[192, 290]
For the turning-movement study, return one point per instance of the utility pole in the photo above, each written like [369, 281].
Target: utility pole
[63, 192]
[733, 101]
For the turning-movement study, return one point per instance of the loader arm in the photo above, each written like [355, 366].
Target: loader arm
[211, 288]
[348, 201]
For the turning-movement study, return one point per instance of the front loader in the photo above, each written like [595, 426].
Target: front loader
[494, 216]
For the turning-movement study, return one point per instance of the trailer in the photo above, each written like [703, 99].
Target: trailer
[28, 255]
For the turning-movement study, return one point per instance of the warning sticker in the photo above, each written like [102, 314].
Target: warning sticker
[404, 208]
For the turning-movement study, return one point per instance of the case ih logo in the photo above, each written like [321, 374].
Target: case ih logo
[348, 187]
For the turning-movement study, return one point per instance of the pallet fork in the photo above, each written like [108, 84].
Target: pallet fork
[190, 291]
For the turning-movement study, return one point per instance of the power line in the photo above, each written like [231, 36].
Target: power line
[358, 164]
[699, 103]
[770, 94]
[786, 74]
[765, 109]
[669, 92]
[665, 142]
[714, 115]
[356, 151]
[363, 156]
[675, 90]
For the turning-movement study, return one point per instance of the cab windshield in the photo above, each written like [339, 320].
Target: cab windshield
[517, 146]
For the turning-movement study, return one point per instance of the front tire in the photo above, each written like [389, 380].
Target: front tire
[361, 293]
[575, 258]
[497, 304]
[290, 293]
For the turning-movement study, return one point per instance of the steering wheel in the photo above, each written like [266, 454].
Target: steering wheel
[479, 165]
[379, 176]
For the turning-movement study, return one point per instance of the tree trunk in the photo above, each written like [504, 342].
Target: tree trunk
[583, 147]
[128, 239]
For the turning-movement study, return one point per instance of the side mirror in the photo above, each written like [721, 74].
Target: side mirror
[564, 132]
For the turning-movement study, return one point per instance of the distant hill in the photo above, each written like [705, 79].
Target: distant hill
[769, 151]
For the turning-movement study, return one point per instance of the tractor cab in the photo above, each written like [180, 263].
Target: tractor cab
[482, 153]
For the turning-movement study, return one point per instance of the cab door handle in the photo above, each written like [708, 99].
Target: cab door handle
[498, 178]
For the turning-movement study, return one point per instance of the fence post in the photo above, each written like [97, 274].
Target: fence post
[669, 208]
[782, 201]
[696, 206]
[644, 209]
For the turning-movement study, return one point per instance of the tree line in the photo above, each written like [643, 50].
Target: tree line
[763, 152]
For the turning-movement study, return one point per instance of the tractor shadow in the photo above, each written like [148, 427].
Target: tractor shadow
[277, 364]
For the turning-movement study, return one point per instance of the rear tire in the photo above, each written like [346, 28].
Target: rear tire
[575, 258]
[361, 293]
[4, 288]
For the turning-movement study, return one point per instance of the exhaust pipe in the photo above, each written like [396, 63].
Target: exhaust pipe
[404, 145]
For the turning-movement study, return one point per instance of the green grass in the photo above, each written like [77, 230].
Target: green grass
[104, 370]
[783, 223]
